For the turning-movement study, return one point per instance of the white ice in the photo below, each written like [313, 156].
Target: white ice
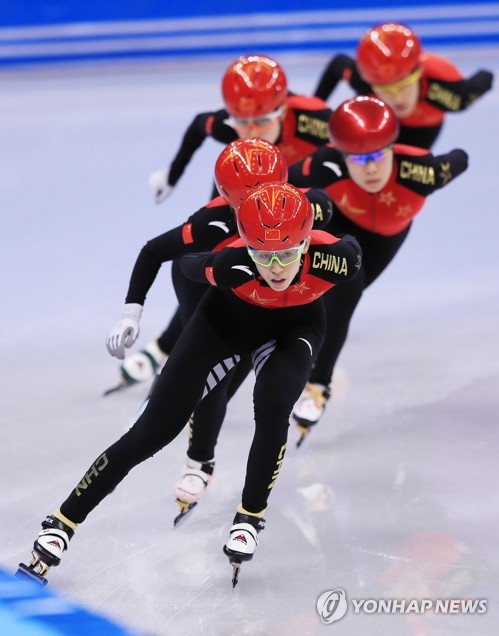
[395, 495]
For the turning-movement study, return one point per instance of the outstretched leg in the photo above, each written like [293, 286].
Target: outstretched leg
[280, 379]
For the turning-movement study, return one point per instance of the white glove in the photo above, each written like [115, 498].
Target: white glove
[125, 332]
[159, 185]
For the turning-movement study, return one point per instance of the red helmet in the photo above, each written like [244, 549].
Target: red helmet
[362, 125]
[275, 216]
[388, 53]
[245, 164]
[254, 85]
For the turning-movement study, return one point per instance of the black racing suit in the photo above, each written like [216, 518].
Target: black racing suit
[442, 90]
[379, 221]
[210, 228]
[241, 316]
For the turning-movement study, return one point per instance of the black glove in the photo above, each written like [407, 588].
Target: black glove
[459, 160]
[481, 82]
[322, 205]
[232, 267]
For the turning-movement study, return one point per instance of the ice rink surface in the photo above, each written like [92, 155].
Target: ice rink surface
[395, 495]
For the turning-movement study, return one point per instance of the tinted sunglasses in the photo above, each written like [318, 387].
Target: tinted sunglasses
[285, 257]
[362, 160]
[257, 122]
[396, 87]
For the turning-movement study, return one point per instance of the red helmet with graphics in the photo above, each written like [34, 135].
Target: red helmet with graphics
[362, 125]
[245, 164]
[254, 85]
[275, 216]
[388, 53]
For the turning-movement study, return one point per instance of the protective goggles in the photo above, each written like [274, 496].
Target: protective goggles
[283, 257]
[257, 122]
[362, 160]
[399, 86]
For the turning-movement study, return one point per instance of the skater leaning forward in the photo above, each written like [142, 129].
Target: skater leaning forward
[242, 165]
[378, 187]
[264, 300]
[256, 103]
[420, 87]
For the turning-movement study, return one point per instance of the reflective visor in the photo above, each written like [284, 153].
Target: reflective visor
[362, 160]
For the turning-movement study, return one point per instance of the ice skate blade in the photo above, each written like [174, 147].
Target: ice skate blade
[235, 573]
[300, 440]
[236, 559]
[25, 572]
[119, 387]
[304, 433]
[185, 508]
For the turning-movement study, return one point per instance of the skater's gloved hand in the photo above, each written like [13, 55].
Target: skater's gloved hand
[231, 267]
[158, 182]
[125, 332]
[481, 82]
[322, 205]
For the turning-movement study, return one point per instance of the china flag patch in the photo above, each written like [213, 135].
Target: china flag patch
[272, 235]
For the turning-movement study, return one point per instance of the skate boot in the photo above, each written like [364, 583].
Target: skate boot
[47, 551]
[310, 407]
[242, 541]
[140, 366]
[189, 488]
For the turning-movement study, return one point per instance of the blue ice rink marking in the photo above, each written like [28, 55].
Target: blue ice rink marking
[27, 609]
[146, 35]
